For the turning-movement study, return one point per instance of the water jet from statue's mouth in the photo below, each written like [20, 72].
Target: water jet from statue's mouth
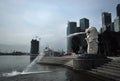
[74, 34]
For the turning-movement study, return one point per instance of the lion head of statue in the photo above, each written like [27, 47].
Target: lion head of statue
[91, 32]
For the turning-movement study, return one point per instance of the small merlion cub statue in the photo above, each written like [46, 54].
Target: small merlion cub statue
[92, 40]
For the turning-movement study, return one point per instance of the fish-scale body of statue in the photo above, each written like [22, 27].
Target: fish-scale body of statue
[92, 40]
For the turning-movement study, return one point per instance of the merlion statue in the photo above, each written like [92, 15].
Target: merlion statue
[92, 40]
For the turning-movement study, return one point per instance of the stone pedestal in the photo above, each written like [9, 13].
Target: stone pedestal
[88, 61]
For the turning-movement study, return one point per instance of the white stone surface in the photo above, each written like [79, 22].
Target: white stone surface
[92, 40]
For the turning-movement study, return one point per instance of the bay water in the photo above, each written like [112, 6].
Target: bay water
[15, 65]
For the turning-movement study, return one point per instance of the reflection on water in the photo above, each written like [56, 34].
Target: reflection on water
[12, 63]
[32, 57]
[37, 72]
[26, 70]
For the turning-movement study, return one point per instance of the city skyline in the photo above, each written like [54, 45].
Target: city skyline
[23, 20]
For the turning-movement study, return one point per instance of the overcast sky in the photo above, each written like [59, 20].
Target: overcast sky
[22, 20]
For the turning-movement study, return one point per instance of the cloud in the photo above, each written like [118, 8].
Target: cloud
[22, 20]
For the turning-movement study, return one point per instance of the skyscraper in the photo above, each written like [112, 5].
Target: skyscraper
[34, 46]
[117, 19]
[118, 10]
[71, 28]
[106, 20]
[117, 24]
[84, 23]
[78, 29]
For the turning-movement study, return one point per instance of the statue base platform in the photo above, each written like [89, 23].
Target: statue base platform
[89, 61]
